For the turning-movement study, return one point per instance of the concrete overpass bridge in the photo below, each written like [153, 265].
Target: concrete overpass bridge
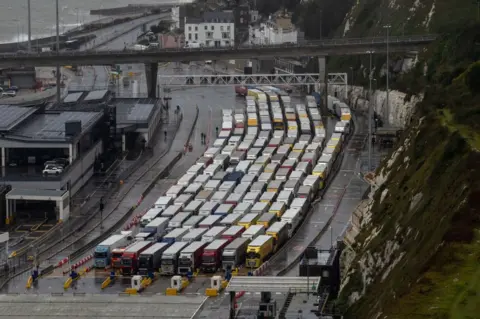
[151, 58]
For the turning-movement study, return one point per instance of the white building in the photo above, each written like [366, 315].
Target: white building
[277, 31]
[215, 29]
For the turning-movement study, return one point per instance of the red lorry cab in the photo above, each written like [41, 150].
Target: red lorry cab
[233, 232]
[117, 254]
[212, 255]
[130, 256]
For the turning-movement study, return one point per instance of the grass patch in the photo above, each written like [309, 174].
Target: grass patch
[450, 289]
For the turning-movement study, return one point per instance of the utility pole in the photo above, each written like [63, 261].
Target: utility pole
[58, 51]
[387, 101]
[370, 104]
[29, 27]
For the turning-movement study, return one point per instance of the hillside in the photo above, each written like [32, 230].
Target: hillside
[366, 18]
[418, 253]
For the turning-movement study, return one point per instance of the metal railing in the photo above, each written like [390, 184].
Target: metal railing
[332, 43]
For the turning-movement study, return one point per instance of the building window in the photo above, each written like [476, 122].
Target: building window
[228, 27]
[225, 35]
[196, 28]
[212, 27]
[221, 28]
[227, 43]
[189, 36]
[196, 36]
[205, 27]
[208, 43]
[189, 28]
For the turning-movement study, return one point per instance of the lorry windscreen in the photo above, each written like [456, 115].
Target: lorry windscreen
[252, 255]
[144, 262]
[184, 261]
[126, 262]
[167, 261]
[208, 259]
[229, 258]
[100, 255]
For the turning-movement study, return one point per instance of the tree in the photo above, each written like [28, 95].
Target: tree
[161, 27]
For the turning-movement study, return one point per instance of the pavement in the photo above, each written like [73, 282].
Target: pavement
[99, 306]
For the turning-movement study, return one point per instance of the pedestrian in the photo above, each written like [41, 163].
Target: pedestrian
[216, 129]
[165, 135]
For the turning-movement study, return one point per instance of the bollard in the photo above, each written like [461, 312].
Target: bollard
[29, 282]
[106, 283]
[68, 283]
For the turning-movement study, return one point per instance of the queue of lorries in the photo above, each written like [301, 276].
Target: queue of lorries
[242, 200]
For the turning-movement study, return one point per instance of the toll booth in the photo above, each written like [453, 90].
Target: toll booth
[267, 287]
[324, 263]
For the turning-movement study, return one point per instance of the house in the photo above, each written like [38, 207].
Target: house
[214, 29]
[171, 40]
[276, 30]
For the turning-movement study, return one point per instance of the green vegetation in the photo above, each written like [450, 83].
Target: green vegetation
[439, 274]
[406, 17]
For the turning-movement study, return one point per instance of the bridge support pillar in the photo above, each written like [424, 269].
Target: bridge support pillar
[151, 72]
[323, 75]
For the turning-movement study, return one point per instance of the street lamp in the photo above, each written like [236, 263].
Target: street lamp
[370, 104]
[351, 78]
[29, 27]
[387, 104]
[58, 48]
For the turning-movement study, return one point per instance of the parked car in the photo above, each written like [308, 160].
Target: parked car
[14, 88]
[52, 170]
[9, 93]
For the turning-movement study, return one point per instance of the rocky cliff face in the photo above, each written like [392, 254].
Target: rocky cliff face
[401, 109]
[414, 248]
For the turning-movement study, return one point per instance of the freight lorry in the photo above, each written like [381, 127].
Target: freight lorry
[190, 257]
[103, 252]
[259, 250]
[212, 255]
[151, 259]
[130, 257]
[170, 258]
[234, 254]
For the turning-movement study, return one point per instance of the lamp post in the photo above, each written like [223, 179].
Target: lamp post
[351, 78]
[387, 101]
[58, 49]
[29, 27]
[370, 100]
